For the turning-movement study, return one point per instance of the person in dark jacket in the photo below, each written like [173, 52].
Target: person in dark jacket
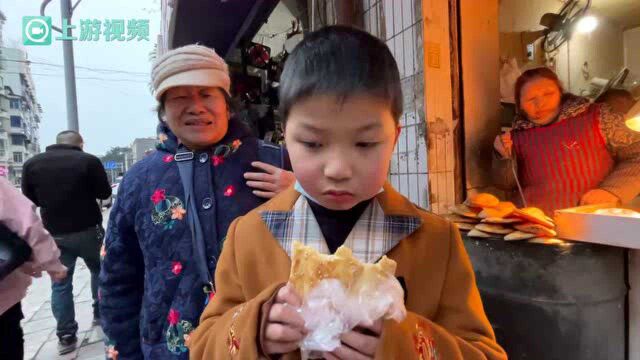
[169, 223]
[65, 183]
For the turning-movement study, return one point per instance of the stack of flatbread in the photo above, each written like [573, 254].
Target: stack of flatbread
[485, 216]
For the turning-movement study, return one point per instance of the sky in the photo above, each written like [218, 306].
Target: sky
[113, 108]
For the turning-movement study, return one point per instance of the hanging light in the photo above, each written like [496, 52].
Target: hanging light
[633, 117]
[587, 24]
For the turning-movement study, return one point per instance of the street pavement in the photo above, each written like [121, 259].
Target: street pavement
[39, 325]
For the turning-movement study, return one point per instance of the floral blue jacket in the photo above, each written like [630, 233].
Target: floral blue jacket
[151, 296]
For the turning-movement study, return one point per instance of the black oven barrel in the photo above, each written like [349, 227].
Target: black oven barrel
[553, 301]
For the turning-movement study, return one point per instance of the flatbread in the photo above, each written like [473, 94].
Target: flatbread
[494, 229]
[493, 213]
[460, 219]
[533, 211]
[536, 229]
[465, 226]
[464, 210]
[482, 200]
[478, 234]
[309, 267]
[533, 215]
[500, 221]
[519, 235]
[546, 241]
[502, 210]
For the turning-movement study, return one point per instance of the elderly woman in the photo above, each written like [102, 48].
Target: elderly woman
[568, 151]
[168, 225]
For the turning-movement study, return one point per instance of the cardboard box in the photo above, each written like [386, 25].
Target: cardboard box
[582, 224]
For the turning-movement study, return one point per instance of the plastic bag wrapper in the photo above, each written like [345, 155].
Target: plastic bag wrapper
[329, 310]
[509, 73]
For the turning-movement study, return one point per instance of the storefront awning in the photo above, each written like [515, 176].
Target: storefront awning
[219, 24]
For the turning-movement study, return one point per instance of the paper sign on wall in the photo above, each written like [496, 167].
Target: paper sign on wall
[433, 55]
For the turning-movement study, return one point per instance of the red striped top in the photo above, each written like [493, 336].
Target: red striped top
[559, 163]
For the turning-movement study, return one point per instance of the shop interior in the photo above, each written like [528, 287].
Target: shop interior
[593, 46]
[256, 66]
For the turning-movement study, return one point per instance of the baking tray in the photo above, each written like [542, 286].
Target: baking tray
[582, 224]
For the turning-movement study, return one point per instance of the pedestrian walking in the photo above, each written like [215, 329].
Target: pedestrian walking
[65, 182]
[18, 219]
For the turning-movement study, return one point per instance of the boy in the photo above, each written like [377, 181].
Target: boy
[341, 100]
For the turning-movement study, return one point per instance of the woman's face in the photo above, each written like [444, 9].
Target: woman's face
[540, 100]
[197, 115]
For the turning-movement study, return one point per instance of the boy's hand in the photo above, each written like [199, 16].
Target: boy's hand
[285, 327]
[271, 181]
[359, 344]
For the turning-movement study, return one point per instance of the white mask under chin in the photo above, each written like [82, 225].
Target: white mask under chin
[299, 189]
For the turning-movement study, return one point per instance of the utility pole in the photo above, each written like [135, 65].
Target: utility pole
[69, 70]
[66, 12]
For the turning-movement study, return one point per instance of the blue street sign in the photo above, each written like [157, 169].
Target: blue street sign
[110, 165]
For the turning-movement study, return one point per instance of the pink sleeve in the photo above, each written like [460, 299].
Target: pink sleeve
[18, 214]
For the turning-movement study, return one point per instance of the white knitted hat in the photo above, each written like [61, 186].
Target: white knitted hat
[191, 65]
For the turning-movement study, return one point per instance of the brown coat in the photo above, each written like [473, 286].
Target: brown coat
[445, 315]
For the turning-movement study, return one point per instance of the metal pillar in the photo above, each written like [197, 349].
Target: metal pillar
[69, 70]
[66, 12]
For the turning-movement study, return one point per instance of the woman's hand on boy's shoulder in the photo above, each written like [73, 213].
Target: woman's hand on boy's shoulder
[270, 181]
[285, 327]
[359, 344]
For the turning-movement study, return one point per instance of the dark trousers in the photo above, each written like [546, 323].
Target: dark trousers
[86, 245]
[11, 337]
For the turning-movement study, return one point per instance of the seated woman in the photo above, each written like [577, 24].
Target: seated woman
[565, 150]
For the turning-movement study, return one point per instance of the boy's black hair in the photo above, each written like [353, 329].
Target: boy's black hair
[340, 61]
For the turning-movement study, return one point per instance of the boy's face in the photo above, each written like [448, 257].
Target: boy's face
[340, 153]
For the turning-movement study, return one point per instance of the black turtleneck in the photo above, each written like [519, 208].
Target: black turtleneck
[336, 225]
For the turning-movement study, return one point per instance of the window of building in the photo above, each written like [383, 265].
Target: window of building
[2, 148]
[15, 103]
[17, 157]
[17, 140]
[16, 121]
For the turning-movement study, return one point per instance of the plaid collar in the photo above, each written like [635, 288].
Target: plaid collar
[373, 235]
